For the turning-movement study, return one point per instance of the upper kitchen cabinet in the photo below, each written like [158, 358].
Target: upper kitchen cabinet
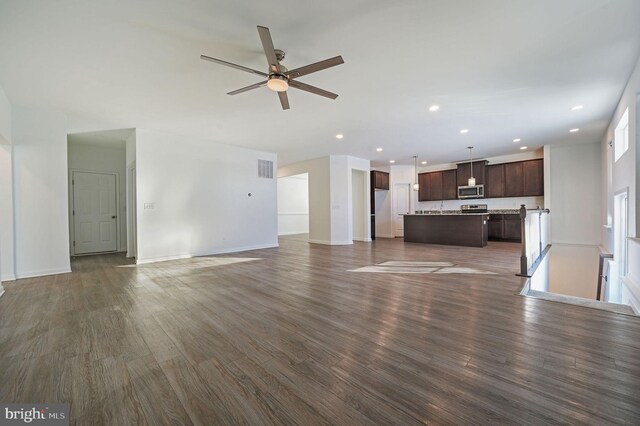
[430, 186]
[517, 179]
[533, 171]
[513, 179]
[380, 180]
[494, 188]
[464, 172]
[449, 185]
[524, 178]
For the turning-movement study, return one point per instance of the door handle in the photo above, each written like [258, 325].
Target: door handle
[113, 217]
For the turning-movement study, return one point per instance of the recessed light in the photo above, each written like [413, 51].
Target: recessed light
[523, 148]
[577, 107]
[339, 136]
[434, 108]
[424, 162]
[516, 140]
[379, 149]
[574, 130]
[463, 131]
[392, 161]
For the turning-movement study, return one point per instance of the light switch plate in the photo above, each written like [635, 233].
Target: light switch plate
[148, 206]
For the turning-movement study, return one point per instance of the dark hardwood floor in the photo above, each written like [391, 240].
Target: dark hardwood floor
[289, 336]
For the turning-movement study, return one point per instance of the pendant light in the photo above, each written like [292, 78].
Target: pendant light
[416, 186]
[472, 180]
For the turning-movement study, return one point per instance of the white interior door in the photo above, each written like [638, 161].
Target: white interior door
[401, 192]
[94, 212]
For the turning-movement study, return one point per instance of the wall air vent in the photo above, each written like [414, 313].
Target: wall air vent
[265, 169]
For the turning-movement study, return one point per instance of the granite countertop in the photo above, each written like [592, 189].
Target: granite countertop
[446, 213]
[504, 211]
[458, 212]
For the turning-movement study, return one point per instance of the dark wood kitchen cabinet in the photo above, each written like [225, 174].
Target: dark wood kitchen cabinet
[517, 179]
[494, 188]
[430, 186]
[496, 226]
[512, 227]
[423, 190]
[464, 172]
[504, 227]
[380, 179]
[533, 176]
[524, 178]
[513, 179]
[450, 185]
[437, 186]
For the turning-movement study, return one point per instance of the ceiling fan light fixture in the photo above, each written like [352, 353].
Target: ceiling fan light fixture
[278, 83]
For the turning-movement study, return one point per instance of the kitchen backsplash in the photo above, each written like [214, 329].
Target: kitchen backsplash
[492, 203]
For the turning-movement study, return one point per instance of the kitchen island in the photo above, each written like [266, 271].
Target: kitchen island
[456, 228]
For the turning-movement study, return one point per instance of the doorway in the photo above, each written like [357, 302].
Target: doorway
[95, 212]
[401, 206]
[620, 244]
[98, 190]
[293, 205]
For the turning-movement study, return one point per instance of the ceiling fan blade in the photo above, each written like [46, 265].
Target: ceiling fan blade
[236, 66]
[246, 89]
[318, 66]
[284, 100]
[312, 89]
[269, 50]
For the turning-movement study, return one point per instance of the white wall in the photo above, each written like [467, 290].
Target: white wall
[293, 204]
[199, 193]
[624, 174]
[131, 212]
[359, 198]
[86, 157]
[575, 198]
[40, 192]
[7, 272]
[318, 170]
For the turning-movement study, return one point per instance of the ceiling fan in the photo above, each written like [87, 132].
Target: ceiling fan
[279, 79]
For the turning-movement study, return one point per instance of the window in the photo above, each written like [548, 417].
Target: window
[621, 141]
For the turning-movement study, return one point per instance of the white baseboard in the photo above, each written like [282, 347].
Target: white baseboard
[8, 277]
[164, 258]
[292, 233]
[632, 287]
[208, 253]
[384, 236]
[1, 290]
[364, 240]
[570, 243]
[331, 243]
[42, 273]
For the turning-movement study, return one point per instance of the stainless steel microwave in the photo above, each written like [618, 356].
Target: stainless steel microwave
[476, 191]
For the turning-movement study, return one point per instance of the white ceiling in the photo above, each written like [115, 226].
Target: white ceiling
[504, 69]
